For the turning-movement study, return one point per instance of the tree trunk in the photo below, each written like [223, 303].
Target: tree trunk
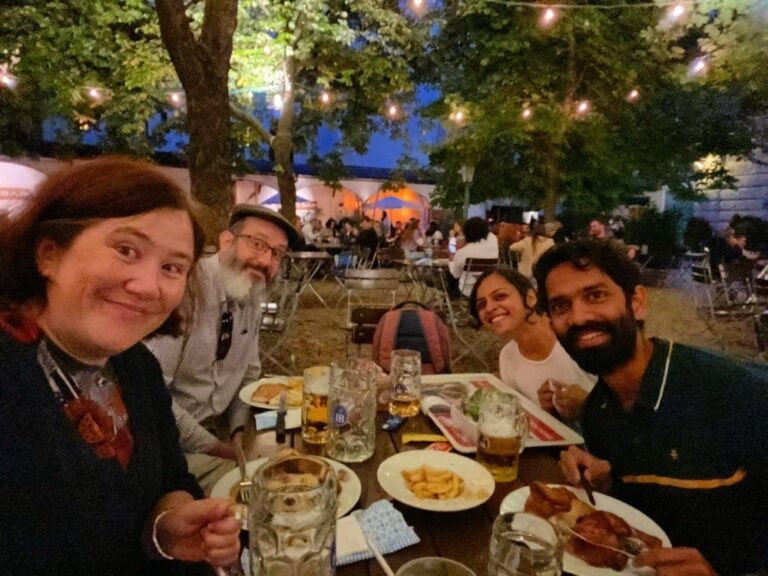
[202, 63]
[282, 144]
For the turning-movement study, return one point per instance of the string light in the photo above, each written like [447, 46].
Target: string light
[527, 113]
[698, 67]
[277, 101]
[267, 50]
[325, 97]
[8, 80]
[633, 95]
[176, 99]
[582, 108]
[548, 18]
[392, 111]
[419, 6]
[458, 116]
[675, 12]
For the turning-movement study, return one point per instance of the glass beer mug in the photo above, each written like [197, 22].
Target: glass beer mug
[502, 431]
[292, 518]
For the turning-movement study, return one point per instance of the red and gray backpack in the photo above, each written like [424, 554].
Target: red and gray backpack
[412, 326]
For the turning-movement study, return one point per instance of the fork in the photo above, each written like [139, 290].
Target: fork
[245, 483]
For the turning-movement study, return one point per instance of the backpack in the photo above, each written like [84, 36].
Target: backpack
[410, 325]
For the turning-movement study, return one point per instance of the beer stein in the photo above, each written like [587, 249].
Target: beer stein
[502, 430]
[352, 410]
[292, 518]
[524, 545]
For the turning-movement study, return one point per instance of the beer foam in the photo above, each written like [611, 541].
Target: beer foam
[316, 380]
[498, 428]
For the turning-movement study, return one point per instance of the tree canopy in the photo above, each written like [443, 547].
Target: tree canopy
[600, 104]
[111, 64]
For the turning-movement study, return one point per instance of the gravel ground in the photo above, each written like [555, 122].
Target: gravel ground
[318, 336]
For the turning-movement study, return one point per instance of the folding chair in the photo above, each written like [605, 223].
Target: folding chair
[305, 266]
[277, 315]
[363, 322]
[474, 267]
[360, 285]
[445, 305]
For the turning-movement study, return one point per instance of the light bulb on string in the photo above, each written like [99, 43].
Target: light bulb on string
[8, 80]
[633, 95]
[548, 17]
[267, 50]
[582, 108]
[698, 67]
[527, 113]
[277, 101]
[93, 93]
[176, 99]
[325, 97]
[392, 111]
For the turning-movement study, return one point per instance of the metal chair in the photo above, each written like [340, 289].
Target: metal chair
[474, 267]
[277, 315]
[361, 285]
[363, 322]
[444, 306]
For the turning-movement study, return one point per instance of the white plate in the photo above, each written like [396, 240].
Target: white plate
[247, 391]
[546, 430]
[348, 496]
[515, 502]
[478, 482]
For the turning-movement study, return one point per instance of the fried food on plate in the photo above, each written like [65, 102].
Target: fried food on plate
[563, 508]
[433, 483]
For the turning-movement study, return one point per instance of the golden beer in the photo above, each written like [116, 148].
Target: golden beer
[404, 405]
[314, 418]
[500, 456]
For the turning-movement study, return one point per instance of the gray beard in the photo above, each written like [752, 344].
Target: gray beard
[238, 286]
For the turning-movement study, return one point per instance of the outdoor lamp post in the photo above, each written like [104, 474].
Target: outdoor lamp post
[467, 173]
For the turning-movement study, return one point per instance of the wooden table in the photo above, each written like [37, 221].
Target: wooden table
[463, 536]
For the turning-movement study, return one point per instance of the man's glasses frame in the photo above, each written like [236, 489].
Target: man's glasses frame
[259, 246]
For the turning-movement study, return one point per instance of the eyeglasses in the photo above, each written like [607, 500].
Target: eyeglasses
[225, 335]
[259, 247]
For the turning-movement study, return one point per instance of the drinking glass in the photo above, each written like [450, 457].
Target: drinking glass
[405, 383]
[292, 518]
[502, 430]
[352, 410]
[314, 405]
[524, 545]
[434, 566]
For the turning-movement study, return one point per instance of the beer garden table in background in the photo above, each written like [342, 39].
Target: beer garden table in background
[463, 536]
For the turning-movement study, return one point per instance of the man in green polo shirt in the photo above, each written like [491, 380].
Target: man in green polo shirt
[678, 432]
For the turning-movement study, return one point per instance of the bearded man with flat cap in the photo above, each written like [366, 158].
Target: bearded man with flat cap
[219, 350]
[679, 432]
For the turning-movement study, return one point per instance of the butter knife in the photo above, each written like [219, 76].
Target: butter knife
[280, 426]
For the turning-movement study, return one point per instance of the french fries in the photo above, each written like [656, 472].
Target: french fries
[433, 483]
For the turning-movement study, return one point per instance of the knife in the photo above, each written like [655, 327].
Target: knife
[280, 426]
[587, 485]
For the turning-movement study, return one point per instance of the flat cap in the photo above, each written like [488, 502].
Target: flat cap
[241, 211]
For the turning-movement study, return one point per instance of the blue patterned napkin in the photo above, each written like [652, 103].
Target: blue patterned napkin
[381, 523]
[267, 420]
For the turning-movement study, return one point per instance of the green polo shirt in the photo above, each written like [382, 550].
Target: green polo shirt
[692, 453]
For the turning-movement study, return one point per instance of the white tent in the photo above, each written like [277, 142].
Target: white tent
[17, 184]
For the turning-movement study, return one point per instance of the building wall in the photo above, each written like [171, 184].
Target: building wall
[749, 199]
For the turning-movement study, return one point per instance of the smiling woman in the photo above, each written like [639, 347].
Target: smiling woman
[93, 479]
[533, 361]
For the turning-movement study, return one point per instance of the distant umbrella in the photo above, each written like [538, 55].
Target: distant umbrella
[277, 200]
[394, 203]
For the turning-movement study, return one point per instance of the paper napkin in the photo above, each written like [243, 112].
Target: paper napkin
[381, 523]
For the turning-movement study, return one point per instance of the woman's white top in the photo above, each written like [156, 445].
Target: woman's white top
[527, 376]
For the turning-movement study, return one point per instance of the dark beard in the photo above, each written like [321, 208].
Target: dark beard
[606, 358]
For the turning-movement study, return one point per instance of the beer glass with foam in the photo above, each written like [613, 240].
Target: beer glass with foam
[405, 383]
[502, 430]
[314, 405]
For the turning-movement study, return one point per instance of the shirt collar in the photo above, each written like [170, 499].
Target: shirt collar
[650, 386]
